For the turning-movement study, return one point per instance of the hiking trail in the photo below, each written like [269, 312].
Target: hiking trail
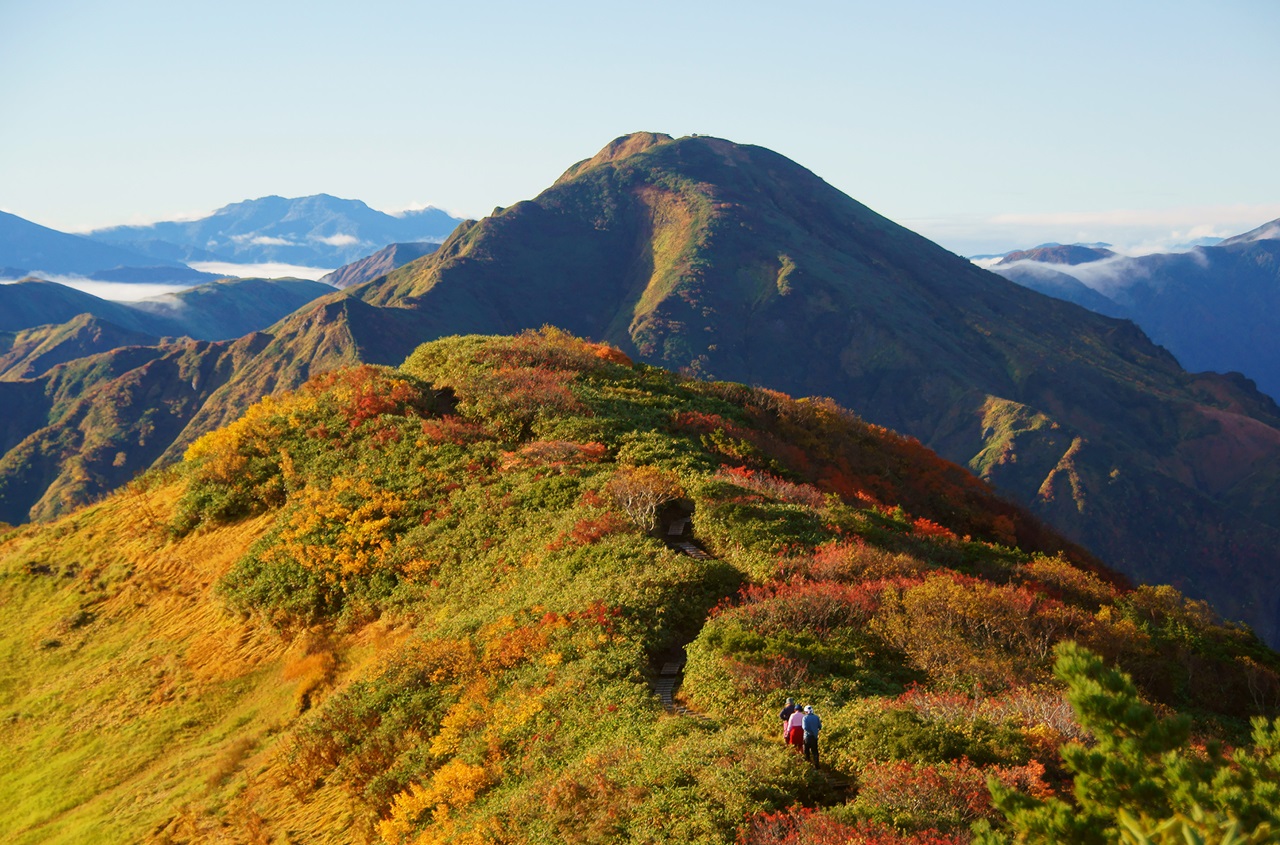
[671, 671]
[668, 678]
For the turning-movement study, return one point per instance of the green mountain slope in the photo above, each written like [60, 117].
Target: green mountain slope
[229, 308]
[32, 302]
[380, 263]
[428, 604]
[731, 261]
[88, 426]
[33, 352]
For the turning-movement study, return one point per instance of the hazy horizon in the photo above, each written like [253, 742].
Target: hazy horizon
[985, 127]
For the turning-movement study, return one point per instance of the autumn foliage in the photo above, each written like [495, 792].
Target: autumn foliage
[497, 500]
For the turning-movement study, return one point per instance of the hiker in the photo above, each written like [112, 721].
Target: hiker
[811, 725]
[786, 714]
[795, 729]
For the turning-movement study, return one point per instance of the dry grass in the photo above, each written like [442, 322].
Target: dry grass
[155, 697]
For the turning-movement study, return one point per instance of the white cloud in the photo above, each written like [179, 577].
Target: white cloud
[114, 291]
[413, 206]
[337, 240]
[260, 240]
[1130, 231]
[1107, 276]
[268, 270]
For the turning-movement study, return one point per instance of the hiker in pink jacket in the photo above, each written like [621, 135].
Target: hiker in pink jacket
[795, 729]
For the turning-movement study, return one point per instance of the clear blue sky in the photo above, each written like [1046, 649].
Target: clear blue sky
[980, 124]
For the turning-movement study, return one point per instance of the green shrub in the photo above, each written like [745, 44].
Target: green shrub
[1141, 773]
[895, 734]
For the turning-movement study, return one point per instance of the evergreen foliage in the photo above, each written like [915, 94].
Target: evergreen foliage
[1142, 780]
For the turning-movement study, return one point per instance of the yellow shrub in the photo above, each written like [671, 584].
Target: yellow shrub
[344, 528]
[463, 718]
[454, 785]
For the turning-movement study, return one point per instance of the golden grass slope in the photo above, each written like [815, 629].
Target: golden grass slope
[118, 655]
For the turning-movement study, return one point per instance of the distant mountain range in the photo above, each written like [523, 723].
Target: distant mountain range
[314, 231]
[1214, 307]
[732, 262]
[28, 248]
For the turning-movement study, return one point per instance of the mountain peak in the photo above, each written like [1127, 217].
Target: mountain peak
[1265, 232]
[620, 147]
[318, 230]
[1059, 254]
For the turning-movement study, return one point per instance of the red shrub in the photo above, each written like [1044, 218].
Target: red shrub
[366, 392]
[554, 453]
[592, 499]
[818, 606]
[954, 794]
[772, 486]
[911, 793]
[929, 528]
[849, 560]
[590, 530]
[774, 674]
[805, 826]
[703, 423]
[451, 429]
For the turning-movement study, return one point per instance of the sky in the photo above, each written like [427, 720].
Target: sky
[983, 125]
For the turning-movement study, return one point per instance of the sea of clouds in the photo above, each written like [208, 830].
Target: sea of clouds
[269, 270]
[1130, 232]
[113, 291]
[135, 291]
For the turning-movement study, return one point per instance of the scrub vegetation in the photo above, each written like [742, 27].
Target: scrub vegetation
[426, 604]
